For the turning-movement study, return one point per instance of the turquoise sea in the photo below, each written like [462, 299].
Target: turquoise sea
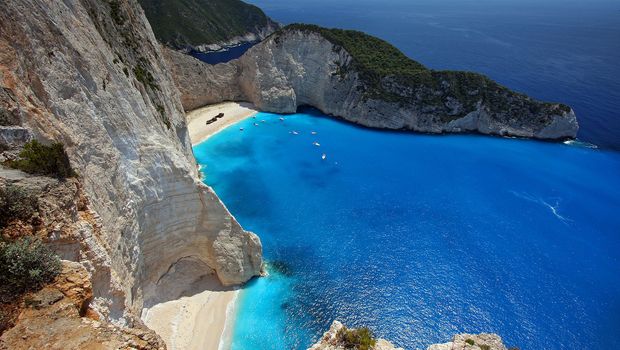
[419, 237]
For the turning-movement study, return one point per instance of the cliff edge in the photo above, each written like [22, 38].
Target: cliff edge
[367, 81]
[90, 74]
[338, 337]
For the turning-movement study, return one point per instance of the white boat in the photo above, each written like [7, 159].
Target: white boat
[313, 133]
[316, 144]
[281, 119]
[323, 156]
[240, 129]
[255, 124]
[262, 121]
[295, 132]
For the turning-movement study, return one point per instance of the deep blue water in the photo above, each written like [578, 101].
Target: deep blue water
[556, 50]
[420, 237]
[216, 57]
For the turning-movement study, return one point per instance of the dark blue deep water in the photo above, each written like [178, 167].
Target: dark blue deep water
[419, 237]
[216, 57]
[557, 50]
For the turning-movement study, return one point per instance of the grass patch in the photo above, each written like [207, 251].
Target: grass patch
[37, 158]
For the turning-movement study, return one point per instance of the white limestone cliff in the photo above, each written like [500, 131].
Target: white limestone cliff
[483, 341]
[296, 67]
[90, 74]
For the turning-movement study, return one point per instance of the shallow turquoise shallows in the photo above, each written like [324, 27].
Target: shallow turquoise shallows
[420, 237]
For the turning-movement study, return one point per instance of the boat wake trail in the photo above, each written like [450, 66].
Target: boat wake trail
[554, 208]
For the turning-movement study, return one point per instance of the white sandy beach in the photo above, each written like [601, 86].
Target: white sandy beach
[195, 322]
[233, 112]
[201, 320]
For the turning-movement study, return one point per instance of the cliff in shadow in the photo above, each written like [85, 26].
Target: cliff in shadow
[207, 25]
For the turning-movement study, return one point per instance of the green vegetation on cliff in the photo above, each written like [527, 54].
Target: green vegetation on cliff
[37, 158]
[388, 74]
[182, 23]
[26, 264]
[361, 338]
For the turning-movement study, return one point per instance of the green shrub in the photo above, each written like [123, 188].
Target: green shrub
[37, 158]
[16, 202]
[361, 338]
[115, 12]
[484, 347]
[470, 341]
[145, 77]
[25, 265]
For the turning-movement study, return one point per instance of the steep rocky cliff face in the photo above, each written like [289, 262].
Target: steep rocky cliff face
[308, 65]
[57, 317]
[90, 74]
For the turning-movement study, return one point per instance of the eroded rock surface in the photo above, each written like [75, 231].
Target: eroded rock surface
[57, 317]
[330, 340]
[90, 74]
[299, 66]
[483, 341]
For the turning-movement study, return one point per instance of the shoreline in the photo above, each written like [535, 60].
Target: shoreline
[200, 321]
[200, 131]
[202, 318]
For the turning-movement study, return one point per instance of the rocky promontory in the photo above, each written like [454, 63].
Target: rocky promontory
[338, 337]
[365, 80]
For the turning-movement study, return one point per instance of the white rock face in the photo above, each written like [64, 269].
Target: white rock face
[293, 68]
[483, 341]
[94, 78]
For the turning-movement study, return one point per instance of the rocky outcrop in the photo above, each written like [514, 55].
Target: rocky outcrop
[306, 65]
[57, 317]
[483, 341]
[90, 74]
[201, 84]
[331, 341]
